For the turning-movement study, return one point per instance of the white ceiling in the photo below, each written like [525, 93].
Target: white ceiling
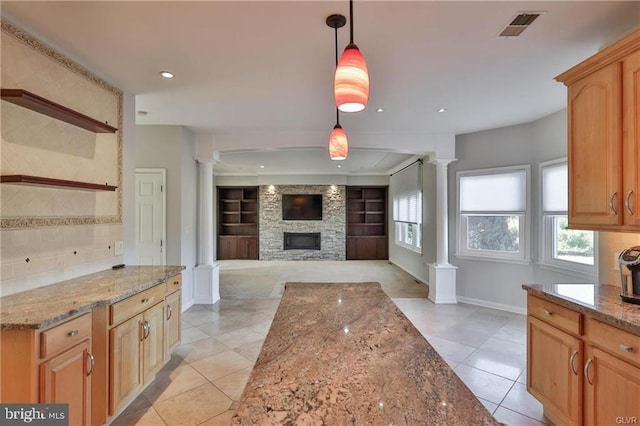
[247, 68]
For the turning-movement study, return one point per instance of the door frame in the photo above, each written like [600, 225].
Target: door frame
[163, 172]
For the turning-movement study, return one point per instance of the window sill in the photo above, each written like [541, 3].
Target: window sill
[493, 259]
[408, 247]
[588, 276]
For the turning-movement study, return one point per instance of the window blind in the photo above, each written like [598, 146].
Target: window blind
[504, 192]
[407, 194]
[555, 188]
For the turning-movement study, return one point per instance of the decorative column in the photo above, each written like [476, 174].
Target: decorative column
[442, 275]
[207, 284]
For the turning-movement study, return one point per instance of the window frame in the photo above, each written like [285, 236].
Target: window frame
[547, 260]
[462, 226]
[400, 234]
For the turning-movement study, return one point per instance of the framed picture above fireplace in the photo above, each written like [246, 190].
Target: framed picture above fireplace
[302, 207]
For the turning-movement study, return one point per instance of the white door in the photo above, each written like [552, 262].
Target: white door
[150, 216]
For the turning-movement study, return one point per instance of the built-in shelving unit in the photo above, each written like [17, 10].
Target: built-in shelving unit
[49, 108]
[58, 183]
[367, 222]
[238, 222]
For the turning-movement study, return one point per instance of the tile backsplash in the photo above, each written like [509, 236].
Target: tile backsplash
[612, 243]
[35, 257]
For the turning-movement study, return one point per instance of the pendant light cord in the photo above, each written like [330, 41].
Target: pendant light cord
[336, 38]
[351, 21]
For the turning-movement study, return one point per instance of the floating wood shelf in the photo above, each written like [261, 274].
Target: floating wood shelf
[44, 106]
[43, 181]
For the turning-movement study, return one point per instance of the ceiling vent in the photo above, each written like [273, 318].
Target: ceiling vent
[519, 23]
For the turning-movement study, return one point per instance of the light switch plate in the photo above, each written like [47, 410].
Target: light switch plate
[119, 249]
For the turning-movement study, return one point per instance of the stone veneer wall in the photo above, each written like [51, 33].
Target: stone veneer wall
[332, 226]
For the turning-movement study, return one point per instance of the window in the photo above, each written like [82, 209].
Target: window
[493, 213]
[406, 186]
[561, 247]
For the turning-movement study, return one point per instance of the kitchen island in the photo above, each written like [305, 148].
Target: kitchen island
[343, 353]
[583, 354]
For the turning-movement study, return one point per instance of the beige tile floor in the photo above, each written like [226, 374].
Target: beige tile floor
[220, 343]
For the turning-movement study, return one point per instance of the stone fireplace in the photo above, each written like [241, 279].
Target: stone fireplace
[315, 239]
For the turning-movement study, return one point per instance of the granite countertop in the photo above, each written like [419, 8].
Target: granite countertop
[343, 353]
[600, 301]
[44, 306]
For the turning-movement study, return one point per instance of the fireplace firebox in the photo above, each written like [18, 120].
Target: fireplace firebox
[302, 240]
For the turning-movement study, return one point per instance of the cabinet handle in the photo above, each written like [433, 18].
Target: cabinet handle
[178, 282]
[147, 329]
[72, 333]
[626, 348]
[611, 206]
[627, 202]
[144, 330]
[571, 359]
[169, 312]
[92, 362]
[145, 300]
[586, 371]
[547, 313]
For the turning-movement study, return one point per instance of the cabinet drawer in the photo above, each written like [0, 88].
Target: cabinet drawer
[556, 315]
[133, 305]
[174, 283]
[613, 340]
[65, 335]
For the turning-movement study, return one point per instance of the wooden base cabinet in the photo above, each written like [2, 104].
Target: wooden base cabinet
[173, 326]
[125, 380]
[53, 365]
[612, 390]
[583, 371]
[66, 379]
[554, 362]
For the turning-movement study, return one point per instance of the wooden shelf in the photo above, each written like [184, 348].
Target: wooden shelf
[44, 106]
[43, 181]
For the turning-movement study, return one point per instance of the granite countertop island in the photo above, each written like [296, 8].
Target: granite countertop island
[602, 302]
[44, 306]
[343, 353]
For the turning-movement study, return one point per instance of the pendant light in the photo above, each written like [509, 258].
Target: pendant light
[351, 85]
[338, 144]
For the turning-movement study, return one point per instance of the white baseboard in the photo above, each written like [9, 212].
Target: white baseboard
[186, 304]
[415, 276]
[493, 305]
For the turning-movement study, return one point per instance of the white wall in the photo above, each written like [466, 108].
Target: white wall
[498, 284]
[417, 264]
[172, 148]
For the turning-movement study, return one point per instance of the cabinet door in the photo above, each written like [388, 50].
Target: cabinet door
[172, 324]
[66, 379]
[631, 135]
[125, 361]
[554, 360]
[611, 390]
[153, 342]
[595, 123]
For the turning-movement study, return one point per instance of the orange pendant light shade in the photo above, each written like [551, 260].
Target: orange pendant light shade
[338, 145]
[351, 84]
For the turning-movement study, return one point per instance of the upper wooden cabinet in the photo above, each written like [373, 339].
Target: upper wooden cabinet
[604, 133]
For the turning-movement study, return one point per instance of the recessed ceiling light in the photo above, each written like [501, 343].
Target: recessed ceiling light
[166, 74]
[261, 166]
[339, 166]
[442, 109]
[380, 110]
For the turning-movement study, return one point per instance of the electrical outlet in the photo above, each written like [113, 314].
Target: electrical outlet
[616, 265]
[119, 249]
